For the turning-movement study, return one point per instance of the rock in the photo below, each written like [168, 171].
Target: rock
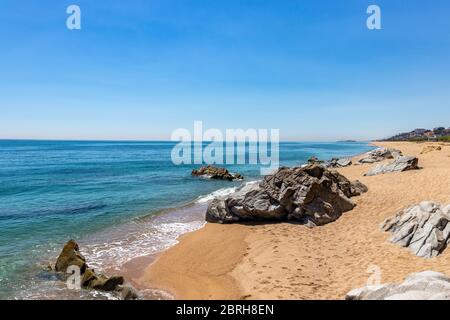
[423, 228]
[400, 164]
[128, 292]
[314, 160]
[89, 277]
[70, 256]
[337, 163]
[357, 188]
[111, 283]
[380, 154]
[312, 195]
[426, 285]
[428, 149]
[216, 173]
[344, 162]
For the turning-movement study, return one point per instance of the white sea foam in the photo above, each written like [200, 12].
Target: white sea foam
[224, 192]
[140, 240]
[218, 193]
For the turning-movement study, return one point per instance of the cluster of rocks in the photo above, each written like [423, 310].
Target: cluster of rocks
[423, 228]
[312, 195]
[333, 163]
[71, 256]
[429, 149]
[212, 172]
[426, 285]
[400, 164]
[380, 154]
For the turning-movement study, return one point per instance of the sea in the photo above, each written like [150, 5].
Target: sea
[120, 200]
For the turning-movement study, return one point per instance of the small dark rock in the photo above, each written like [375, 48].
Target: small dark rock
[216, 173]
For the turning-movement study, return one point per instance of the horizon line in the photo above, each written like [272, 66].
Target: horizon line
[168, 140]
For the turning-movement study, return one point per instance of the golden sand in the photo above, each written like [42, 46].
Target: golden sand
[291, 261]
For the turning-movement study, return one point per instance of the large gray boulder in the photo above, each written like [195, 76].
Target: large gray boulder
[400, 164]
[380, 154]
[426, 285]
[312, 195]
[423, 228]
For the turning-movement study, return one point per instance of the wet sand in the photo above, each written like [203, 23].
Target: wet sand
[290, 261]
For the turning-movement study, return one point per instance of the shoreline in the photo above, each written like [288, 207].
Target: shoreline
[289, 261]
[142, 280]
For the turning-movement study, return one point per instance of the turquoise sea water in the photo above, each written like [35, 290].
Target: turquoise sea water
[108, 196]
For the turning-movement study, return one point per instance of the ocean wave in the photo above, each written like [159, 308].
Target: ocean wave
[133, 241]
[218, 193]
[223, 192]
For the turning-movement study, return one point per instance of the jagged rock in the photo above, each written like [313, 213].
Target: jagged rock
[400, 164]
[216, 173]
[423, 228]
[428, 149]
[426, 285]
[357, 188]
[314, 160]
[128, 292]
[70, 256]
[380, 154]
[89, 276]
[344, 163]
[312, 195]
[333, 163]
[337, 163]
[107, 284]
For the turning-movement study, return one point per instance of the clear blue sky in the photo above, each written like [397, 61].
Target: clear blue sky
[140, 69]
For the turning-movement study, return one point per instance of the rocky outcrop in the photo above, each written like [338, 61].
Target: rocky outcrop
[426, 285]
[333, 163]
[380, 154]
[71, 256]
[212, 172]
[312, 195]
[423, 228]
[400, 164]
[338, 163]
[429, 149]
[314, 160]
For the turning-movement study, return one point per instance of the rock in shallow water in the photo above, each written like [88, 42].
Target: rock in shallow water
[423, 228]
[426, 285]
[216, 173]
[400, 164]
[71, 256]
[312, 195]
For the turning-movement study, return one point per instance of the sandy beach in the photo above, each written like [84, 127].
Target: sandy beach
[291, 261]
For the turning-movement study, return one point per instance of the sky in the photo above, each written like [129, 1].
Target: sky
[142, 69]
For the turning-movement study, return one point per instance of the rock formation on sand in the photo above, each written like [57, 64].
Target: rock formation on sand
[216, 173]
[380, 154]
[338, 163]
[71, 256]
[423, 228]
[333, 163]
[429, 149]
[312, 195]
[400, 164]
[426, 285]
